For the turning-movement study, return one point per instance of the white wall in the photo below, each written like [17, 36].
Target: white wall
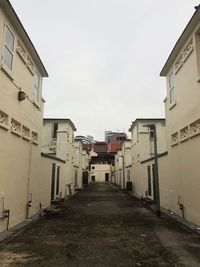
[100, 171]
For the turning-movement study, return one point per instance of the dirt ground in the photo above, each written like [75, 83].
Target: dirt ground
[102, 226]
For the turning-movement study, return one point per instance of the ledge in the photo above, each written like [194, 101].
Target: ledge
[159, 156]
[172, 105]
[174, 144]
[4, 126]
[7, 72]
[52, 157]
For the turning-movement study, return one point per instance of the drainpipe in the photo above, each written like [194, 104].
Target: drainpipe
[181, 207]
[28, 200]
[5, 214]
[123, 172]
[152, 128]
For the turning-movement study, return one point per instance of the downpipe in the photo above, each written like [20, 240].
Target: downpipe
[5, 214]
[181, 207]
[28, 206]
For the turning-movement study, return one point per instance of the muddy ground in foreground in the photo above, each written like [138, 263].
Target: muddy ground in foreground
[102, 226]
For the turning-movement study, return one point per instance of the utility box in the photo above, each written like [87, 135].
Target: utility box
[129, 186]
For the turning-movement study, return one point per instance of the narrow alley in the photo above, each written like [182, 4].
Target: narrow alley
[102, 226]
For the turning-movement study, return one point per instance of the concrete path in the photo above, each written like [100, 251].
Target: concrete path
[102, 226]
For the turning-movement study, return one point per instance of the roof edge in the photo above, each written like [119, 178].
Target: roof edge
[61, 119]
[9, 10]
[144, 119]
[183, 37]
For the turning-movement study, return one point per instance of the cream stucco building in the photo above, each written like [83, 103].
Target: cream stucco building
[29, 179]
[142, 150]
[123, 163]
[119, 171]
[179, 157]
[21, 113]
[81, 163]
[78, 161]
[100, 172]
[179, 182]
[58, 140]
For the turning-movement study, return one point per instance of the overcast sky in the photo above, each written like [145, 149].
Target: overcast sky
[104, 57]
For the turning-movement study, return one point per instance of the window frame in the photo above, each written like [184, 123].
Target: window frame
[35, 88]
[4, 66]
[172, 93]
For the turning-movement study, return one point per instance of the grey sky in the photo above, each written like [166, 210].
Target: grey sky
[104, 57]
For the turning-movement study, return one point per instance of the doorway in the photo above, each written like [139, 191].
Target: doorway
[53, 177]
[106, 177]
[154, 185]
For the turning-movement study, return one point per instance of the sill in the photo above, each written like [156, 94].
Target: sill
[26, 138]
[35, 142]
[165, 99]
[16, 133]
[4, 126]
[184, 139]
[194, 134]
[36, 105]
[7, 72]
[172, 105]
[174, 144]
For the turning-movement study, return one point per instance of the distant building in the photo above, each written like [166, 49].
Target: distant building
[114, 140]
[58, 140]
[142, 151]
[100, 147]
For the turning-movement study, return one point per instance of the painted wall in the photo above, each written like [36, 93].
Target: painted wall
[63, 148]
[78, 149]
[142, 149]
[180, 171]
[99, 171]
[20, 131]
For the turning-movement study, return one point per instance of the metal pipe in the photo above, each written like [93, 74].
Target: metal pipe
[181, 206]
[28, 180]
[156, 173]
[152, 128]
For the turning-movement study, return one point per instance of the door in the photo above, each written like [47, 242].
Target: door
[76, 179]
[149, 180]
[85, 178]
[106, 177]
[154, 185]
[53, 177]
[58, 180]
[93, 178]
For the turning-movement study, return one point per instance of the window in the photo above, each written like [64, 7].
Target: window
[8, 48]
[171, 88]
[55, 128]
[36, 92]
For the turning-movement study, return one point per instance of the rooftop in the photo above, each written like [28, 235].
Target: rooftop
[10, 12]
[60, 120]
[195, 19]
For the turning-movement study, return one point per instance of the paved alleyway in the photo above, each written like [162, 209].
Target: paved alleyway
[102, 226]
